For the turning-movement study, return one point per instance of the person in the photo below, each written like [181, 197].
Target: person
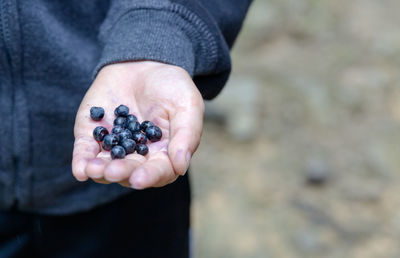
[161, 58]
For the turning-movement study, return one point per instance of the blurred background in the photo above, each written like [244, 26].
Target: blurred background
[300, 154]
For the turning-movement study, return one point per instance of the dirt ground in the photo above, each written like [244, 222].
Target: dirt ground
[300, 154]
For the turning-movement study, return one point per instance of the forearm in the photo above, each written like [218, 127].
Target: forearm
[195, 35]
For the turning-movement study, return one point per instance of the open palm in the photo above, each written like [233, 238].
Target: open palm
[163, 94]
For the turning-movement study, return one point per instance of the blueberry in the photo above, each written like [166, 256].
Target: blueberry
[129, 145]
[131, 118]
[117, 129]
[110, 140]
[153, 133]
[96, 113]
[145, 124]
[122, 110]
[134, 127]
[120, 121]
[139, 137]
[125, 134]
[99, 133]
[142, 149]
[118, 152]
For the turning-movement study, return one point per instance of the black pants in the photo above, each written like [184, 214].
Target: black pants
[149, 223]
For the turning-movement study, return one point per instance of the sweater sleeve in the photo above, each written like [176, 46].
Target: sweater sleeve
[193, 34]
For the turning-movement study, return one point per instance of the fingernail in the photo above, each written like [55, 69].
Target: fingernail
[138, 179]
[180, 157]
[188, 157]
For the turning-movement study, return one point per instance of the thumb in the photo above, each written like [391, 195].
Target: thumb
[186, 127]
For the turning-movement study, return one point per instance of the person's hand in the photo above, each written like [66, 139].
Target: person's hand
[161, 93]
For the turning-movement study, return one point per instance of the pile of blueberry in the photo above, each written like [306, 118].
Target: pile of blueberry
[127, 134]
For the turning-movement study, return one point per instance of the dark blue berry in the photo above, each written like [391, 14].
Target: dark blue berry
[110, 140]
[134, 127]
[153, 133]
[120, 121]
[145, 124]
[125, 134]
[142, 149]
[129, 145]
[96, 113]
[118, 152]
[122, 110]
[139, 137]
[131, 118]
[117, 129]
[99, 133]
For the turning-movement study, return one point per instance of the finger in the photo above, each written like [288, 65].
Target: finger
[85, 148]
[186, 129]
[155, 172]
[95, 168]
[124, 183]
[119, 170]
[99, 165]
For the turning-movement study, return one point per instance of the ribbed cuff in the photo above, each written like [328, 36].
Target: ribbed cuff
[147, 34]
